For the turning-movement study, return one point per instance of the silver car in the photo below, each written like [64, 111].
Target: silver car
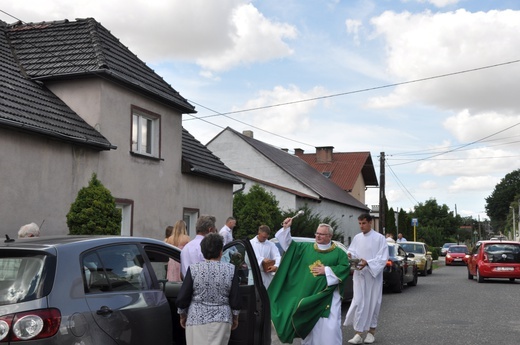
[109, 290]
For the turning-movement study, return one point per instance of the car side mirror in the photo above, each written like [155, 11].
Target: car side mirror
[410, 255]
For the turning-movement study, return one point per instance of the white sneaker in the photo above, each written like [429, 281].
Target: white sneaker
[369, 338]
[356, 340]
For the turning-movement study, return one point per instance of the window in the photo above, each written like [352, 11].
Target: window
[145, 132]
[126, 207]
[115, 268]
[190, 217]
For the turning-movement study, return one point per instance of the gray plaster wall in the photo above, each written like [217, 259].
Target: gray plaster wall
[40, 177]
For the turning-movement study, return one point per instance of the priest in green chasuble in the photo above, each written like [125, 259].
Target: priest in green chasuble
[305, 294]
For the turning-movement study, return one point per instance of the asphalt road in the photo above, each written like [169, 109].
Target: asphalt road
[447, 308]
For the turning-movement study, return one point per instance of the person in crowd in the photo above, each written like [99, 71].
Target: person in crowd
[371, 250]
[168, 232]
[390, 237]
[305, 293]
[29, 230]
[178, 238]
[267, 254]
[191, 252]
[400, 238]
[227, 230]
[209, 299]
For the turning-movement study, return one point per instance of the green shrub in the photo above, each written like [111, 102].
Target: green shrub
[94, 211]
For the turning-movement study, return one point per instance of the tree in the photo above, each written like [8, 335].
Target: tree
[497, 204]
[94, 211]
[253, 209]
[436, 222]
[391, 223]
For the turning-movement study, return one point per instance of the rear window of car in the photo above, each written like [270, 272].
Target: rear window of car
[21, 276]
[457, 249]
[413, 248]
[503, 252]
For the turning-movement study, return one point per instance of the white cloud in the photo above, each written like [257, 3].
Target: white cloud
[284, 119]
[429, 185]
[255, 39]
[218, 34]
[472, 183]
[430, 44]
[353, 27]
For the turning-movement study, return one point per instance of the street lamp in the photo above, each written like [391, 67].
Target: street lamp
[514, 227]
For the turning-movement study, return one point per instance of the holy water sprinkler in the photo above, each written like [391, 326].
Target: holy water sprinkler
[300, 212]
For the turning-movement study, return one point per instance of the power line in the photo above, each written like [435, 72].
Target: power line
[459, 147]
[355, 91]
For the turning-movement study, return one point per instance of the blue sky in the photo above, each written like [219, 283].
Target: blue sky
[432, 83]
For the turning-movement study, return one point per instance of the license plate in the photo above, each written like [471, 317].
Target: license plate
[457, 260]
[504, 269]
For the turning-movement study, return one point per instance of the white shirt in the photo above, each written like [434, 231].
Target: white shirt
[266, 250]
[191, 253]
[225, 232]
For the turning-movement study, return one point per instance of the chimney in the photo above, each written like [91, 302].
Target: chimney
[248, 133]
[324, 154]
[298, 152]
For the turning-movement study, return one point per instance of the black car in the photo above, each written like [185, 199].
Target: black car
[110, 290]
[399, 269]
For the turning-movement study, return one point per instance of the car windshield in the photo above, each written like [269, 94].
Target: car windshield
[413, 248]
[503, 252]
[447, 245]
[20, 278]
[454, 249]
[391, 251]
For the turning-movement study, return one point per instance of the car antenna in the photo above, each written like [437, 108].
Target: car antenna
[8, 239]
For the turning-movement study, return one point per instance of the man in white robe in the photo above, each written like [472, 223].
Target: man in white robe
[267, 254]
[371, 249]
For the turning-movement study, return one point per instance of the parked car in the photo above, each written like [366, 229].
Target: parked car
[457, 254]
[423, 256]
[348, 292]
[108, 290]
[400, 269]
[445, 248]
[495, 259]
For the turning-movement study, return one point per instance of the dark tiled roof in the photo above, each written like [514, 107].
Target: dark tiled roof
[302, 172]
[65, 49]
[199, 160]
[345, 168]
[29, 106]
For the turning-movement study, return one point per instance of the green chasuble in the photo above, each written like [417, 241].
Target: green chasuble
[298, 298]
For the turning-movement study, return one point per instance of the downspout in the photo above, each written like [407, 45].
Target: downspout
[241, 188]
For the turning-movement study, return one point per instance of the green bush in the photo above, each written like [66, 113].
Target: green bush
[94, 211]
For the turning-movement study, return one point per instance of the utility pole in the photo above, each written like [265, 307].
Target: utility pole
[382, 198]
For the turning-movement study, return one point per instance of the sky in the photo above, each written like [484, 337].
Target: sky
[432, 84]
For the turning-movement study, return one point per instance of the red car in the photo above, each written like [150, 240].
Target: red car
[457, 254]
[495, 259]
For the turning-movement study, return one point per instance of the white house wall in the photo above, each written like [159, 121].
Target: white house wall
[241, 157]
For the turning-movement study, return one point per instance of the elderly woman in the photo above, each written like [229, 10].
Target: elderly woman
[209, 299]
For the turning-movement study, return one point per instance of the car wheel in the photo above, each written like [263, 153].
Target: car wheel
[512, 280]
[414, 280]
[470, 276]
[398, 288]
[480, 279]
[430, 271]
[425, 270]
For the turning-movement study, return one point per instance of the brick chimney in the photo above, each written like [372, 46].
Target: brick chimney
[248, 133]
[298, 152]
[324, 154]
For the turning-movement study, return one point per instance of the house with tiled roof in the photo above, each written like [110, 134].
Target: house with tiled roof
[291, 180]
[75, 101]
[352, 171]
